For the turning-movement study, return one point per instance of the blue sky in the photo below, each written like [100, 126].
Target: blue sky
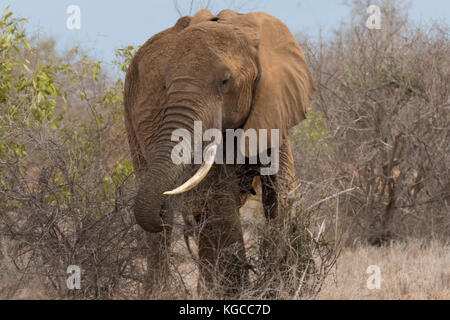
[110, 24]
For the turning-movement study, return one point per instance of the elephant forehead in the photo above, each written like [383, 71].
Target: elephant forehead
[210, 38]
[152, 59]
[151, 80]
[154, 62]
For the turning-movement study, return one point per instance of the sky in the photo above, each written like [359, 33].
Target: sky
[110, 24]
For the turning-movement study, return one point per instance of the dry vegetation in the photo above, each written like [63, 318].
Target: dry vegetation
[410, 270]
[382, 107]
[372, 163]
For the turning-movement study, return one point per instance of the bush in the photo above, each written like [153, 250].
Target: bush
[384, 97]
[66, 181]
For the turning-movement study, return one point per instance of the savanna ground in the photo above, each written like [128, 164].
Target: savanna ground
[372, 162]
[410, 270]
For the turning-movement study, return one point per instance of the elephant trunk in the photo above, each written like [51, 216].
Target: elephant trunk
[148, 208]
[163, 174]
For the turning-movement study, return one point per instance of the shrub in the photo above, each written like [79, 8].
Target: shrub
[384, 96]
[66, 180]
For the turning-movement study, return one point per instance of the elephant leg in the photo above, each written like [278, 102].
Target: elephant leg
[278, 193]
[157, 253]
[222, 254]
[277, 190]
[223, 267]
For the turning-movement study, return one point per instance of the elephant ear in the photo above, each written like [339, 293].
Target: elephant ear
[285, 85]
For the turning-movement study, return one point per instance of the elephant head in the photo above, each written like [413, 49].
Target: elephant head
[229, 71]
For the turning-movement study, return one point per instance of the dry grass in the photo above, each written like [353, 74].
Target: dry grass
[410, 270]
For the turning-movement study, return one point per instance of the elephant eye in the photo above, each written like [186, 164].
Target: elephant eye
[225, 83]
[226, 80]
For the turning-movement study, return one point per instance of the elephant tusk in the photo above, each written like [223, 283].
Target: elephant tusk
[210, 155]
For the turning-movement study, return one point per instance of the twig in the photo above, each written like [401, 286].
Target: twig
[330, 197]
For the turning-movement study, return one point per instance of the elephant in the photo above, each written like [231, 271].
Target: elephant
[229, 71]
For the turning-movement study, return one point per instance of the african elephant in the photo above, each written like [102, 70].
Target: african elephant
[228, 71]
